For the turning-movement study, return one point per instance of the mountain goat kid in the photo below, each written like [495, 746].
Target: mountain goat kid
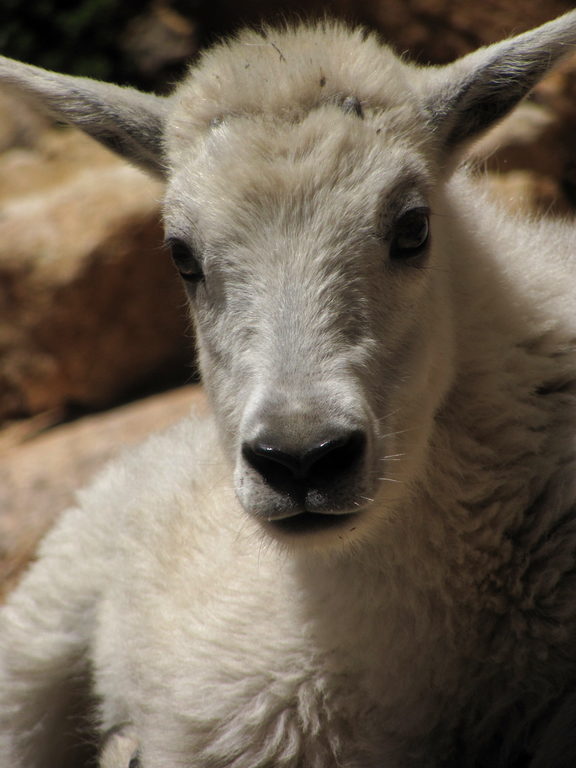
[366, 557]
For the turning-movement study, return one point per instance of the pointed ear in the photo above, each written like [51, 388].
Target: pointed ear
[466, 97]
[127, 121]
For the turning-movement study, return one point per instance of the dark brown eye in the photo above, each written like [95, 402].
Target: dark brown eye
[185, 260]
[411, 234]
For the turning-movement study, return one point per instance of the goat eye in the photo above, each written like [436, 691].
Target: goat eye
[185, 260]
[411, 234]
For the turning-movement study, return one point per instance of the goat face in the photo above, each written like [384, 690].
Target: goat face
[321, 333]
[301, 164]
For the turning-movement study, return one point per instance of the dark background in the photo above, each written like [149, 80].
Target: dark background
[146, 43]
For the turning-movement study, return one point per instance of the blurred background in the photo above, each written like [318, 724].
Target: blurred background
[147, 42]
[95, 346]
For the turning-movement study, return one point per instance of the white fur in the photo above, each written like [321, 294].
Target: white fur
[435, 625]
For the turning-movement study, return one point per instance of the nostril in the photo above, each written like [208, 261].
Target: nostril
[319, 462]
[337, 455]
[265, 458]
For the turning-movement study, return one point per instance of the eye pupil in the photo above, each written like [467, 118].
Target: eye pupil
[185, 260]
[411, 234]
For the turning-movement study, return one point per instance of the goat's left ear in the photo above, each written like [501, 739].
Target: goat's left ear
[129, 122]
[464, 98]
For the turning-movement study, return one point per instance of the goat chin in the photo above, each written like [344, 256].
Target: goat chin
[364, 556]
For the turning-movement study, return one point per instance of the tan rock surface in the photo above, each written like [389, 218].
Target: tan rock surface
[20, 124]
[50, 157]
[38, 477]
[90, 306]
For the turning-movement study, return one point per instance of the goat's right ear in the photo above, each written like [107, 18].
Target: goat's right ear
[127, 121]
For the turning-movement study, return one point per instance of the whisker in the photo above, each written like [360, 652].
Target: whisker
[392, 457]
[241, 531]
[266, 544]
[398, 432]
[390, 479]
[388, 415]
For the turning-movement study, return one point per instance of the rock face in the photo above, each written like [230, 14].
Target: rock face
[90, 306]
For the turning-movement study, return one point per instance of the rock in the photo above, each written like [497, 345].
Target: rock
[158, 42]
[38, 477]
[47, 157]
[438, 31]
[20, 124]
[90, 306]
[528, 192]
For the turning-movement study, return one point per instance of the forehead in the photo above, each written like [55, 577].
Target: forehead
[260, 126]
[286, 74]
[256, 169]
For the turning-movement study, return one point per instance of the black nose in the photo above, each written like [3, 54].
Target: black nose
[314, 464]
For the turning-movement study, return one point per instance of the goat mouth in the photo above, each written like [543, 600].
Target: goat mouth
[313, 522]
